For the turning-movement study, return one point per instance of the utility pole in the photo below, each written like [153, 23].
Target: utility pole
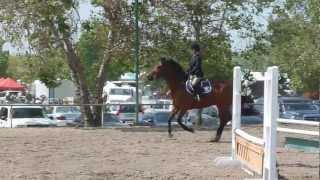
[137, 44]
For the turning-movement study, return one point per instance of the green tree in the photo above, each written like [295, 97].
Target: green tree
[91, 48]
[49, 68]
[53, 24]
[292, 42]
[171, 26]
[295, 43]
[4, 57]
[256, 57]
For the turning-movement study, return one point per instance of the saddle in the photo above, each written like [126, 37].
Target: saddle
[203, 87]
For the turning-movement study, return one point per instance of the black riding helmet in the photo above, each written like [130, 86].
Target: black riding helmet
[195, 46]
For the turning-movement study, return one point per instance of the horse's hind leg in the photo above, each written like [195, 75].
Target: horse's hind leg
[183, 112]
[219, 132]
[199, 117]
[173, 113]
[225, 117]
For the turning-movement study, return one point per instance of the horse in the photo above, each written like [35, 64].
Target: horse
[175, 77]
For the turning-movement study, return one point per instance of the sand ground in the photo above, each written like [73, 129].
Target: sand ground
[135, 153]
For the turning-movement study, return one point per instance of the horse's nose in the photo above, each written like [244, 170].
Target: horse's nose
[150, 77]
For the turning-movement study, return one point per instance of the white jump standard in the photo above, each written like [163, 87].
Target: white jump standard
[256, 154]
[253, 153]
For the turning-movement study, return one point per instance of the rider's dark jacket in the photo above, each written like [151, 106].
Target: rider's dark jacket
[195, 66]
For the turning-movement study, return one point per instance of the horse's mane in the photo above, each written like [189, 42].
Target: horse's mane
[180, 73]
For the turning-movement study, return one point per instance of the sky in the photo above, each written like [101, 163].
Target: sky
[86, 9]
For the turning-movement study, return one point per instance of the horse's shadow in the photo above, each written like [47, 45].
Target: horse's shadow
[147, 129]
[224, 142]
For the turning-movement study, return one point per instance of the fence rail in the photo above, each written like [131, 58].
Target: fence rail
[297, 121]
[298, 131]
[108, 104]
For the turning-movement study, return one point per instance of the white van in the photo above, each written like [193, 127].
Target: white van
[24, 116]
[119, 94]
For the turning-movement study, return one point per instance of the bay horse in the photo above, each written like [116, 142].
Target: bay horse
[175, 77]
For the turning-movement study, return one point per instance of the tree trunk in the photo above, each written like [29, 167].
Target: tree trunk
[101, 79]
[78, 72]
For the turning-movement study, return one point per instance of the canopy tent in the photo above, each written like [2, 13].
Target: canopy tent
[10, 84]
[1, 79]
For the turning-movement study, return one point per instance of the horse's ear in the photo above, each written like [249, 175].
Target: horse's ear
[162, 60]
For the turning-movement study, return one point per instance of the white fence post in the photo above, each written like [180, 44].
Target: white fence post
[236, 107]
[102, 115]
[271, 110]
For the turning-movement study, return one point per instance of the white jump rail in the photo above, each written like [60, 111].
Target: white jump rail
[298, 131]
[249, 137]
[295, 121]
[268, 143]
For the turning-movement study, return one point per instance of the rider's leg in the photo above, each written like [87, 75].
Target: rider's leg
[195, 84]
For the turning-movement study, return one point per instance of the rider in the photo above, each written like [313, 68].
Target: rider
[195, 70]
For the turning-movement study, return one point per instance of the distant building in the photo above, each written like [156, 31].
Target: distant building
[65, 89]
[39, 89]
[258, 86]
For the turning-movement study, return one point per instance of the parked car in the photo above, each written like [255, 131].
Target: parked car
[254, 119]
[160, 119]
[111, 120]
[64, 115]
[317, 103]
[299, 108]
[304, 111]
[125, 112]
[24, 116]
[209, 116]
[160, 105]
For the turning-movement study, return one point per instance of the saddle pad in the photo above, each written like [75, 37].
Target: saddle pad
[205, 87]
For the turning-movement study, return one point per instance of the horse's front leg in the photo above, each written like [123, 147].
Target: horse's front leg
[173, 113]
[181, 114]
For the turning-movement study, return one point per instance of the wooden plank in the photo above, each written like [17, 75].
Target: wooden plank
[250, 154]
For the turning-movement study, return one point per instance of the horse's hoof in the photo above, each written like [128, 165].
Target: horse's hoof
[170, 136]
[192, 130]
[214, 140]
